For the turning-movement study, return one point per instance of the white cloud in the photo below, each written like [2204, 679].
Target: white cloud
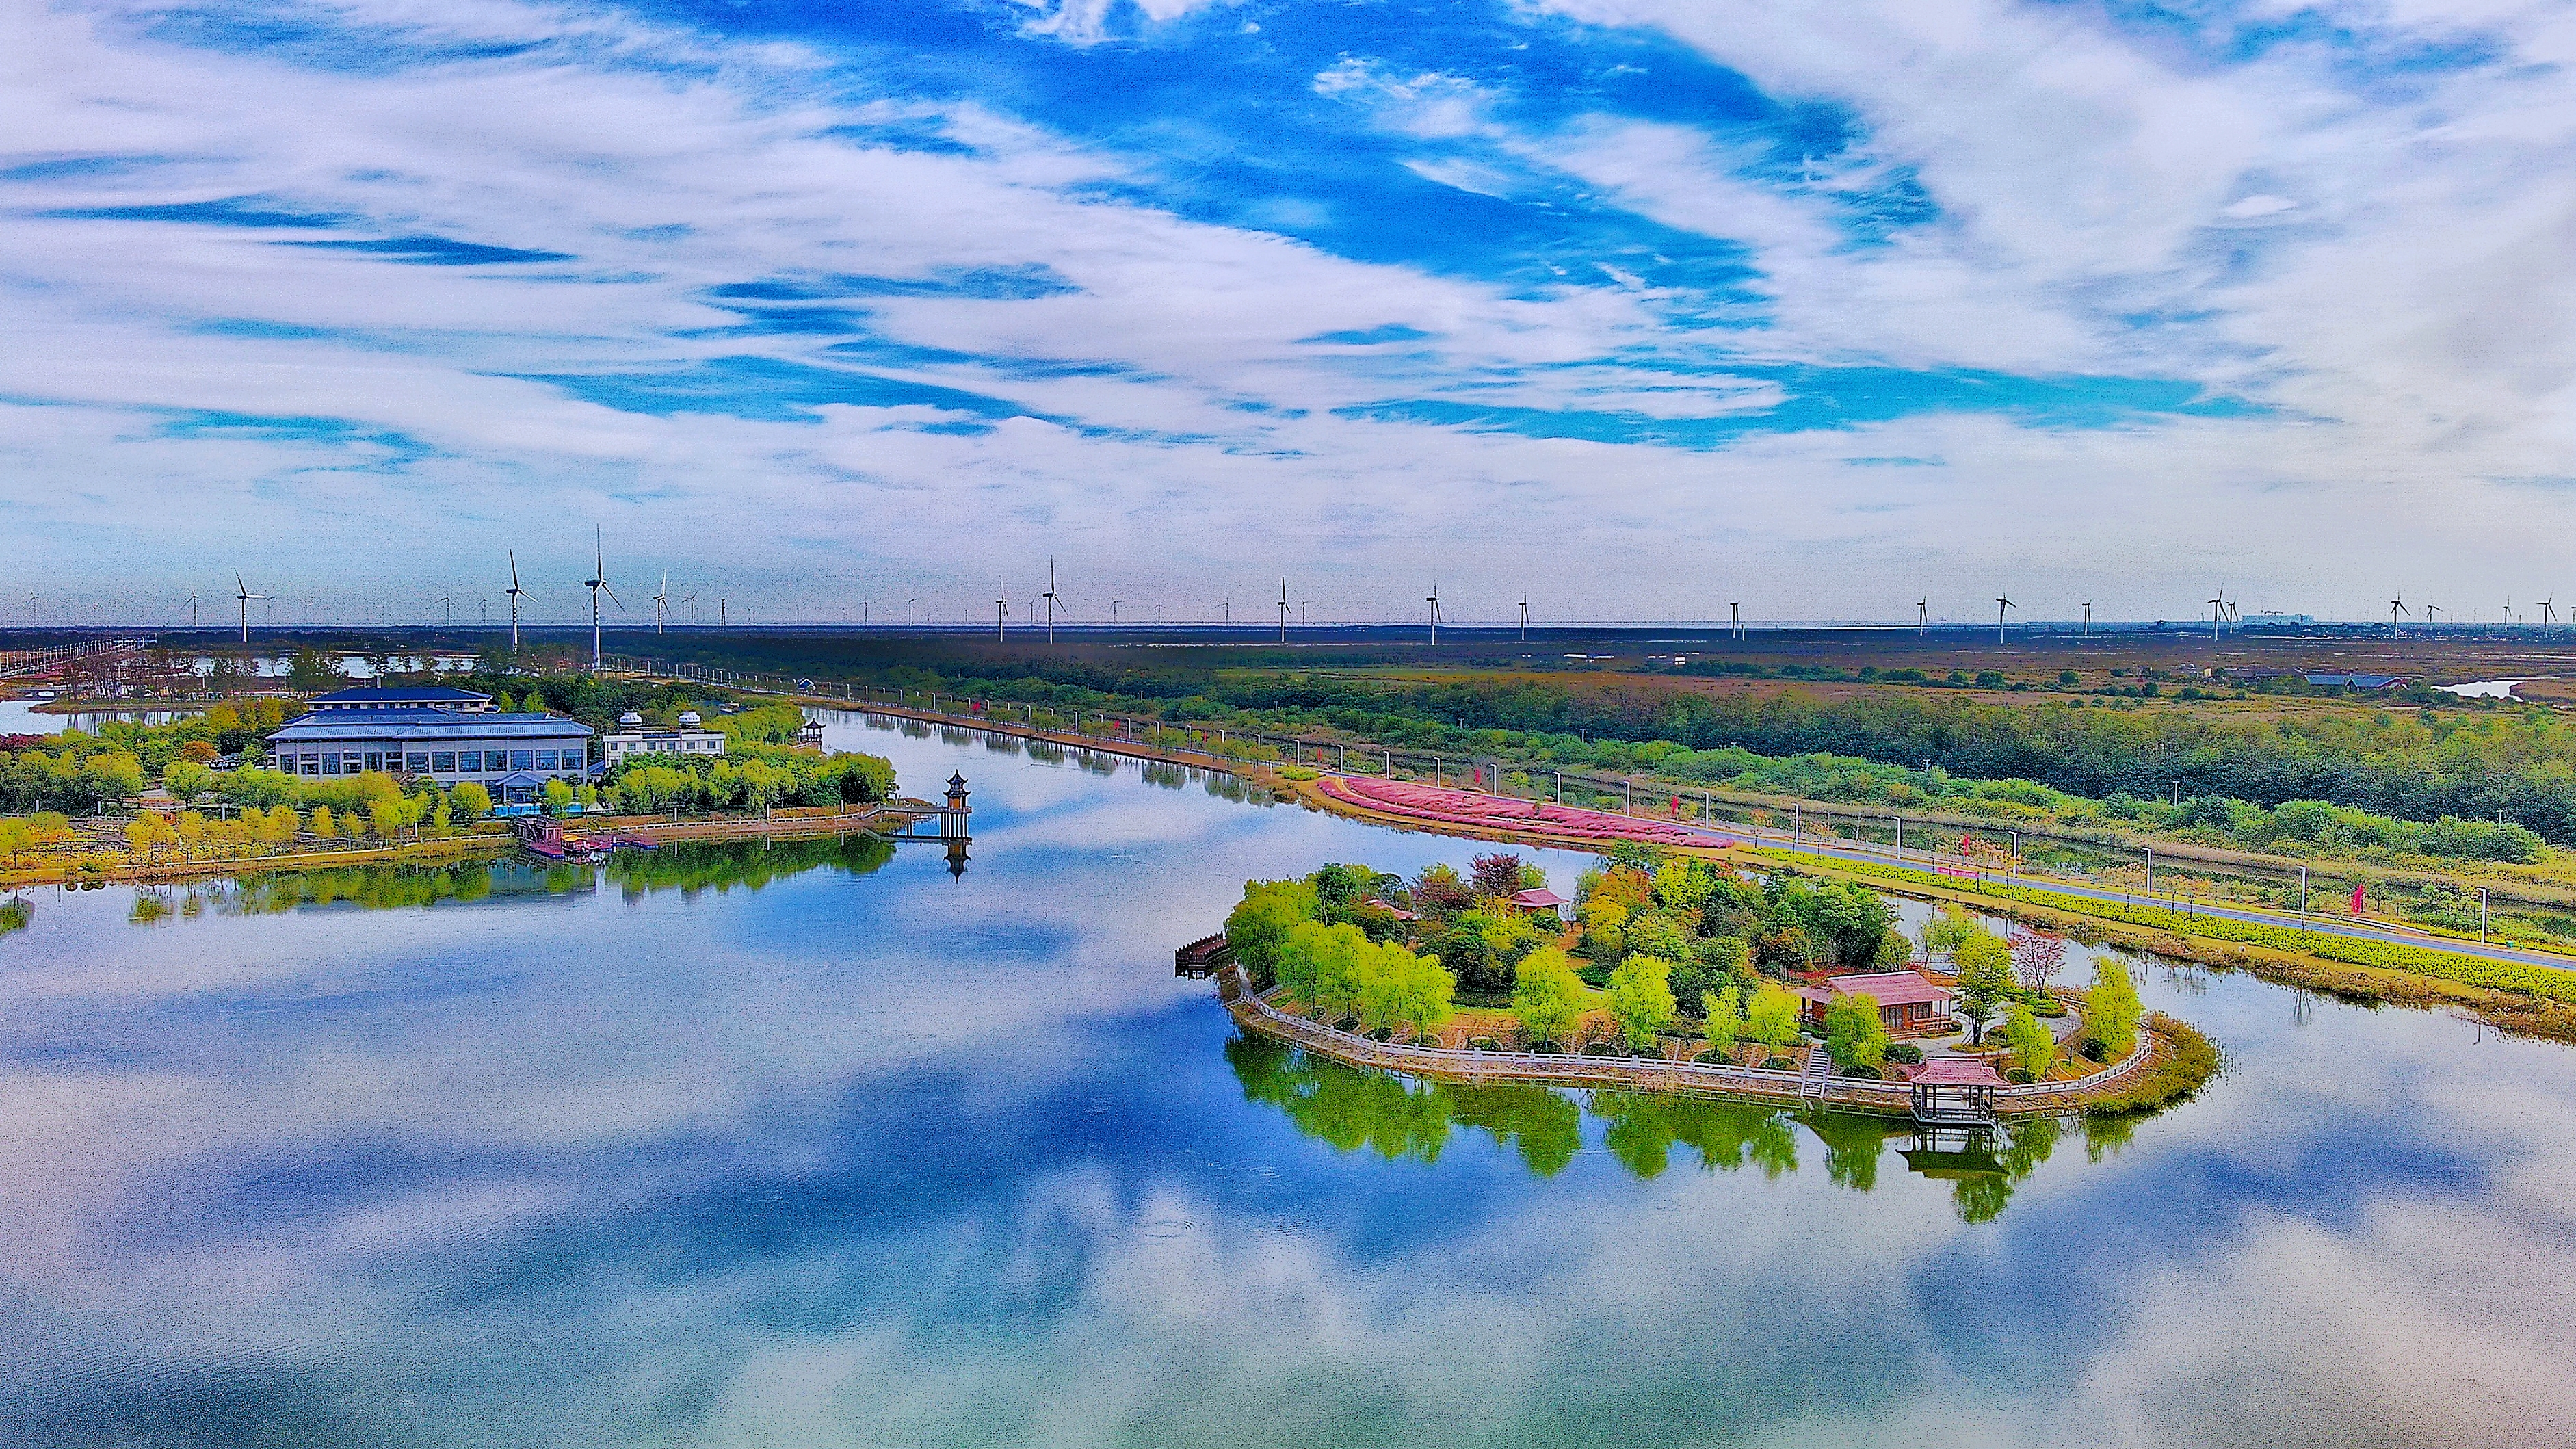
[2381, 264]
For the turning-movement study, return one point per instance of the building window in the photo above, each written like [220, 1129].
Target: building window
[331, 764]
[375, 759]
[545, 759]
[469, 762]
[523, 759]
[416, 762]
[313, 764]
[443, 761]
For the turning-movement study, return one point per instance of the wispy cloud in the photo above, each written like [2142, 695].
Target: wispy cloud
[785, 301]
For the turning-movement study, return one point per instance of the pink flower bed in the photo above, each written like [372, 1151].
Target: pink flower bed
[1435, 805]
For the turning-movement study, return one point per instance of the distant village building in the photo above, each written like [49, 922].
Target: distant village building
[2358, 681]
[448, 735]
[631, 739]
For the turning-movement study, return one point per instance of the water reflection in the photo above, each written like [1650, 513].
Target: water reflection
[688, 866]
[1354, 1109]
[862, 1156]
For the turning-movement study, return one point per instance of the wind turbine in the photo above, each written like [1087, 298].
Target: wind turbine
[661, 601]
[2395, 608]
[2002, 603]
[1002, 615]
[192, 611]
[1525, 618]
[1434, 601]
[451, 608]
[1283, 610]
[1735, 618]
[598, 581]
[1922, 615]
[514, 591]
[241, 595]
[1050, 597]
[2547, 617]
[907, 608]
[2217, 614]
[2088, 618]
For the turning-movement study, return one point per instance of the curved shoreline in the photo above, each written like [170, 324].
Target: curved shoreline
[1754, 1084]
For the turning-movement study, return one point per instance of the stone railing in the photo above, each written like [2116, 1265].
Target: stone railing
[1451, 1063]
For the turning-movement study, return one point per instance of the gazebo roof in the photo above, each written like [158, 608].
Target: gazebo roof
[1955, 1072]
[1538, 898]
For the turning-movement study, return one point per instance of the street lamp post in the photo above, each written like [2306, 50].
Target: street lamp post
[2482, 915]
[2303, 892]
[2151, 872]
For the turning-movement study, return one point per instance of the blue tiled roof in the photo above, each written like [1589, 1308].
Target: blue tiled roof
[425, 725]
[366, 694]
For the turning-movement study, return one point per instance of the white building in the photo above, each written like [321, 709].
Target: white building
[631, 739]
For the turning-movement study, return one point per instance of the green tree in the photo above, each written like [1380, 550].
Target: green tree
[1944, 932]
[1658, 934]
[1415, 990]
[1894, 951]
[1261, 921]
[2028, 1038]
[1641, 998]
[1547, 997]
[1772, 1016]
[1340, 972]
[1854, 1032]
[1682, 885]
[1725, 1019]
[469, 802]
[1984, 964]
[2112, 1010]
[558, 795]
[1605, 930]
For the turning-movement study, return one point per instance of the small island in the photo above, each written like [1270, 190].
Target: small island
[1668, 972]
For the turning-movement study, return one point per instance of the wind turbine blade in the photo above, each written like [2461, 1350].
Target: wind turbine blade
[514, 571]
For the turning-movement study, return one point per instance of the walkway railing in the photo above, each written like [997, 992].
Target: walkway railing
[1890, 1097]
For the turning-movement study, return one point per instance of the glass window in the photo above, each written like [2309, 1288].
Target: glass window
[418, 760]
[375, 759]
[313, 764]
[523, 759]
[545, 759]
[331, 764]
[443, 761]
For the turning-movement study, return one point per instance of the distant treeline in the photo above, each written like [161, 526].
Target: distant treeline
[2420, 765]
[2416, 765]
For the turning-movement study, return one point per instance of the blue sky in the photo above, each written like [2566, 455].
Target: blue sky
[1636, 305]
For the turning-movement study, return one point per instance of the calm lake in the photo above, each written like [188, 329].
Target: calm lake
[814, 1144]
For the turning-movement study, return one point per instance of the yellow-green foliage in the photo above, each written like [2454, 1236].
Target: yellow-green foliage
[1641, 997]
[1547, 997]
[2545, 982]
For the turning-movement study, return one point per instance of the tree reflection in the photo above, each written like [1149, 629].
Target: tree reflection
[1352, 1108]
[687, 866]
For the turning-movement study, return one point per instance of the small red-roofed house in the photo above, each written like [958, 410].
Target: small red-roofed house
[1540, 898]
[1907, 1003]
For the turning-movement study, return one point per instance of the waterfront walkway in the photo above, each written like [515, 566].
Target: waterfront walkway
[1885, 1098]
